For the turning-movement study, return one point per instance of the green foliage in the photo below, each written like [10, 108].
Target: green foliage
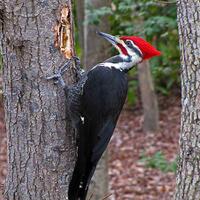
[156, 25]
[131, 96]
[78, 49]
[156, 20]
[94, 15]
[158, 161]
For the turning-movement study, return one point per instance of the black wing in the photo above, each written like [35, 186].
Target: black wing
[103, 97]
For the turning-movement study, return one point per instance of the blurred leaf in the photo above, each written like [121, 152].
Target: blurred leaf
[94, 15]
[131, 96]
[158, 161]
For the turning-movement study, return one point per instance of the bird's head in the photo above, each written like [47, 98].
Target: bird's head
[134, 48]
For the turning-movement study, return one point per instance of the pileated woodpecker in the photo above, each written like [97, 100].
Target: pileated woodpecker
[96, 102]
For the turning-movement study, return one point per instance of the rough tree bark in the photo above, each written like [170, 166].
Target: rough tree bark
[97, 50]
[149, 98]
[188, 174]
[41, 143]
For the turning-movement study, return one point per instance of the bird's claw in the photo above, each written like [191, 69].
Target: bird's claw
[76, 59]
[79, 70]
[64, 68]
[57, 77]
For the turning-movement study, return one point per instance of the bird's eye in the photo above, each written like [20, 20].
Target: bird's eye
[128, 43]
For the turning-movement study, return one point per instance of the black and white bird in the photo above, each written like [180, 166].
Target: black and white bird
[95, 103]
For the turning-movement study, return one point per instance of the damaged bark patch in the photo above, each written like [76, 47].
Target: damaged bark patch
[63, 39]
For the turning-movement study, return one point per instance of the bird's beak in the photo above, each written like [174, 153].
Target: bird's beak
[112, 39]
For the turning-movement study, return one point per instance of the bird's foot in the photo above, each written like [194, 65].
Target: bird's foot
[77, 61]
[79, 70]
[57, 77]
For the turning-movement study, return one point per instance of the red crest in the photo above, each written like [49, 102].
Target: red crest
[146, 48]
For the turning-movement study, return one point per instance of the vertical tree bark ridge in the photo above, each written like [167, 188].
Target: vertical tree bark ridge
[188, 174]
[41, 145]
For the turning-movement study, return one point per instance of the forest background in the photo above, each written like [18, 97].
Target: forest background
[148, 157]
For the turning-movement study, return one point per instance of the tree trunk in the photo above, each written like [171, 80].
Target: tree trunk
[188, 174]
[149, 99]
[41, 143]
[97, 50]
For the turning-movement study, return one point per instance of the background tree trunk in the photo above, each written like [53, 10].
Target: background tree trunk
[41, 145]
[188, 174]
[149, 98]
[96, 50]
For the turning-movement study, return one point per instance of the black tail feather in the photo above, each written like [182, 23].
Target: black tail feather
[80, 181]
[85, 184]
[79, 168]
[75, 182]
[93, 140]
